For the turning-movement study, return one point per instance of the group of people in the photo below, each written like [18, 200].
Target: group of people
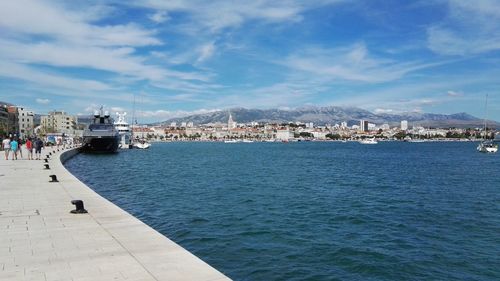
[13, 146]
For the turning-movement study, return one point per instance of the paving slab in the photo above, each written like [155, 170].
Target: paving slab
[41, 240]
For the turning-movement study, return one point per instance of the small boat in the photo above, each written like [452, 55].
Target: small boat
[247, 141]
[231, 141]
[368, 141]
[142, 144]
[101, 136]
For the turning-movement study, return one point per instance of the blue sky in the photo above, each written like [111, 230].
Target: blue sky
[181, 57]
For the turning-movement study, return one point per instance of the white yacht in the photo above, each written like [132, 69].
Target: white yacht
[368, 141]
[487, 146]
[123, 129]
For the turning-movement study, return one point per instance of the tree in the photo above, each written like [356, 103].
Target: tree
[306, 135]
[333, 136]
[400, 135]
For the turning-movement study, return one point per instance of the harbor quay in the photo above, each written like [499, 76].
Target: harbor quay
[41, 239]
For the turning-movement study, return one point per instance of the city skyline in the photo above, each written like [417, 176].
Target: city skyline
[187, 57]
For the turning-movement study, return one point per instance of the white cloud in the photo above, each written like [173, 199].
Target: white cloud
[471, 27]
[21, 72]
[159, 17]
[42, 101]
[220, 14]
[454, 94]
[352, 63]
[33, 17]
[206, 51]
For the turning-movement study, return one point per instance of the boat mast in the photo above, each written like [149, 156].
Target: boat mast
[485, 118]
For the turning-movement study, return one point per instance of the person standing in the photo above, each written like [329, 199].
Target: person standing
[6, 147]
[29, 147]
[14, 146]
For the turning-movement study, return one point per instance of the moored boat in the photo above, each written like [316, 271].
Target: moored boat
[124, 130]
[487, 146]
[368, 141]
[101, 136]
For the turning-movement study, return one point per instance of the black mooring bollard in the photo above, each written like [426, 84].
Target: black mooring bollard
[53, 178]
[47, 167]
[79, 207]
[46, 160]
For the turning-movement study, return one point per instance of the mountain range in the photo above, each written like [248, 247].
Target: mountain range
[333, 115]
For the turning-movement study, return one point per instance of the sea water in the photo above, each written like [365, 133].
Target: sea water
[315, 210]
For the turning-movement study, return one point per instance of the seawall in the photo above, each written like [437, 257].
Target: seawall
[41, 240]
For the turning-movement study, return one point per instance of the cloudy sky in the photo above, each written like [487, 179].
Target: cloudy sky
[179, 57]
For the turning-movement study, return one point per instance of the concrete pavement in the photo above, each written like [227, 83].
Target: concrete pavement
[41, 240]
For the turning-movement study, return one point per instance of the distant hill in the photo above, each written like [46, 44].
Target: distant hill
[334, 114]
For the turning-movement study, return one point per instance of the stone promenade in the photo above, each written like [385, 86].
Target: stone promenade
[41, 240]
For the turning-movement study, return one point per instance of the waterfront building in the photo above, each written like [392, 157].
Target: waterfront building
[59, 122]
[363, 126]
[173, 124]
[283, 134]
[25, 122]
[404, 125]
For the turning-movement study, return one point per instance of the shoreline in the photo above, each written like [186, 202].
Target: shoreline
[42, 240]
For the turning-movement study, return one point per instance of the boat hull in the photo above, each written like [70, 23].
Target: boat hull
[487, 147]
[100, 144]
[145, 145]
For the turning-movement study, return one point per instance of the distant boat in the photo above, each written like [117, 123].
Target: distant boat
[231, 141]
[487, 146]
[101, 136]
[368, 141]
[247, 141]
[142, 144]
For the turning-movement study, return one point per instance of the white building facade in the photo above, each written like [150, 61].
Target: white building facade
[59, 122]
[25, 122]
[404, 125]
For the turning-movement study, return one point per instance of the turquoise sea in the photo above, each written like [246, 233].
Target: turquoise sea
[315, 210]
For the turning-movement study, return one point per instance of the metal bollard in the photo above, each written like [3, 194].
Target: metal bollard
[79, 207]
[53, 178]
[46, 160]
[47, 167]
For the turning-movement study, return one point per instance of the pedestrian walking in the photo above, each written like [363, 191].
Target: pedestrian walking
[14, 146]
[38, 148]
[6, 147]
[20, 147]
[29, 147]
